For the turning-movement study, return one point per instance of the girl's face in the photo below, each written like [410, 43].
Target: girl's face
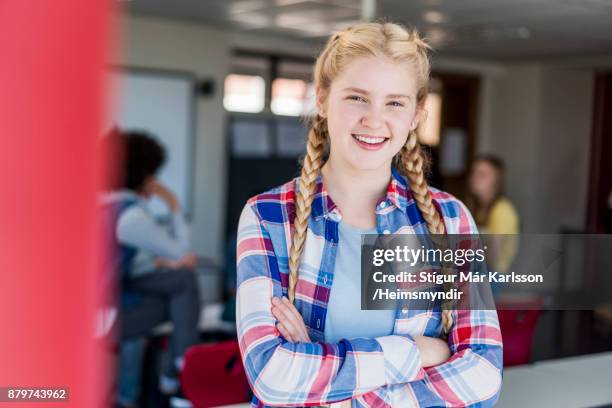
[370, 109]
[483, 179]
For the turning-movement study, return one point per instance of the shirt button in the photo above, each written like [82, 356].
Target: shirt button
[318, 323]
[386, 232]
[325, 279]
[383, 204]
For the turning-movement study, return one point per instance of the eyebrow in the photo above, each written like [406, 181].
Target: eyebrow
[364, 92]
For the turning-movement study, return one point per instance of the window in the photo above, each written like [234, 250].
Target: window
[244, 93]
[269, 84]
[288, 96]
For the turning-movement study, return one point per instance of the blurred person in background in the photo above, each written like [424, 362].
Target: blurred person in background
[493, 212]
[157, 279]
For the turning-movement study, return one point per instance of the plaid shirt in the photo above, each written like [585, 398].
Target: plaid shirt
[373, 372]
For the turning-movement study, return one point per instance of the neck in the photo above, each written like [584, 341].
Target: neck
[141, 193]
[348, 186]
[485, 199]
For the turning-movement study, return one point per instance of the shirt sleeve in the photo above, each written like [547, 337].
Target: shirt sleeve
[504, 225]
[503, 218]
[296, 374]
[137, 228]
[472, 376]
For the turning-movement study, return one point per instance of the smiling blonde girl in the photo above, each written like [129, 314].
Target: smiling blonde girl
[303, 338]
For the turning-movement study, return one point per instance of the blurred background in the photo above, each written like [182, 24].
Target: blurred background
[224, 87]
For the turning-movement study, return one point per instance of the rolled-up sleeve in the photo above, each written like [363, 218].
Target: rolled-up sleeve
[472, 376]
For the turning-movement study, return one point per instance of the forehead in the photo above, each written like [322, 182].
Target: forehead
[483, 165]
[377, 76]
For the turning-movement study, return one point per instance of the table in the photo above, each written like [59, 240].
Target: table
[573, 382]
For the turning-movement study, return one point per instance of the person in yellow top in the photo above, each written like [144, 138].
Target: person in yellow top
[493, 211]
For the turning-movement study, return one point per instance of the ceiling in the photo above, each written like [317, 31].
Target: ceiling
[490, 29]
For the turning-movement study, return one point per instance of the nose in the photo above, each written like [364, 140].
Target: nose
[373, 118]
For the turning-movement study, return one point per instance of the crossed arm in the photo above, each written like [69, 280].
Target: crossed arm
[286, 373]
[291, 326]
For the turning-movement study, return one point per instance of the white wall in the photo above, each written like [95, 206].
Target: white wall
[513, 108]
[538, 118]
[164, 44]
[567, 112]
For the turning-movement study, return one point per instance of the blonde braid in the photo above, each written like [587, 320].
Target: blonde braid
[412, 161]
[317, 136]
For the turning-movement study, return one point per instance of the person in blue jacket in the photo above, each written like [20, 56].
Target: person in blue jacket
[155, 263]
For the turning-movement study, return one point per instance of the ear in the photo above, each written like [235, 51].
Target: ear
[321, 97]
[419, 115]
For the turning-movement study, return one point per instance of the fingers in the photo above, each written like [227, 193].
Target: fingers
[297, 317]
[165, 263]
[190, 261]
[159, 262]
[285, 332]
[290, 319]
[285, 317]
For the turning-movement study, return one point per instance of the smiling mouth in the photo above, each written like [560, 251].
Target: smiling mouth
[370, 140]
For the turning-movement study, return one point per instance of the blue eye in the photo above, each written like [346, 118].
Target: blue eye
[356, 98]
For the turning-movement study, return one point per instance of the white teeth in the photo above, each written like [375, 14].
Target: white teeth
[369, 140]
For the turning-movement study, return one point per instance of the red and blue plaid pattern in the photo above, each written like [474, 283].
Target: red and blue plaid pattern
[373, 372]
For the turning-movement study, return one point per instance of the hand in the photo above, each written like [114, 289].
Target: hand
[189, 261]
[163, 192]
[433, 351]
[290, 323]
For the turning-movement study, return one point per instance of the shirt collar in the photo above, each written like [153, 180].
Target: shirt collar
[398, 192]
[397, 195]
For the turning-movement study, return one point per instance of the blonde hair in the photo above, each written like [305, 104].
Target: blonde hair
[362, 40]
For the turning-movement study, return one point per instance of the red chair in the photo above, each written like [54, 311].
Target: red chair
[517, 328]
[213, 375]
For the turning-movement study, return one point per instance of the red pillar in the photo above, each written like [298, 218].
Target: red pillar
[52, 55]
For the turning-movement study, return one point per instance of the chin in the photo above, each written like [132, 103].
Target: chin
[370, 164]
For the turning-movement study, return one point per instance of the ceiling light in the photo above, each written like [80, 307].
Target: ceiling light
[437, 36]
[523, 32]
[368, 10]
[251, 20]
[434, 17]
[246, 6]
